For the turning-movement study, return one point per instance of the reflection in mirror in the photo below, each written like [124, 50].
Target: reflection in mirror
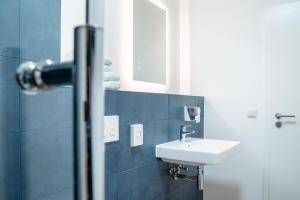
[149, 42]
[72, 15]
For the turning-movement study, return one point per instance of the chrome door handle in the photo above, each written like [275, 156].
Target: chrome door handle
[279, 116]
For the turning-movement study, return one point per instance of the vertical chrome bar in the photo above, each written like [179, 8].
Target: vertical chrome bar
[88, 113]
[96, 13]
[87, 11]
[97, 117]
[96, 18]
[200, 178]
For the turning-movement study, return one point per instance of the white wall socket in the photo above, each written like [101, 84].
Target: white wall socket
[111, 128]
[136, 135]
[252, 112]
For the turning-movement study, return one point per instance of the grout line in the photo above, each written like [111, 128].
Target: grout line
[43, 130]
[9, 133]
[58, 191]
[6, 56]
[147, 121]
[19, 58]
[146, 163]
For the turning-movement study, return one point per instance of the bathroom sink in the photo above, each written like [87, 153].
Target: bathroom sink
[197, 152]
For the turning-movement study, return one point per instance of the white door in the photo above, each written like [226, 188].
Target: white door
[283, 61]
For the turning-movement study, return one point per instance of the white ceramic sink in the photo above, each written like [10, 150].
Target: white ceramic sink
[196, 151]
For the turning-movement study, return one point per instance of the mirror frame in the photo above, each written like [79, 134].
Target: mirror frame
[127, 71]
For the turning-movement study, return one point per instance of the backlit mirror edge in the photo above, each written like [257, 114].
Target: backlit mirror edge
[127, 81]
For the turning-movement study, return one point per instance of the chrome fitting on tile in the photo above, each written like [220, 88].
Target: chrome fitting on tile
[43, 75]
[178, 171]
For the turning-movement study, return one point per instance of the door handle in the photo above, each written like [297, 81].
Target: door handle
[279, 116]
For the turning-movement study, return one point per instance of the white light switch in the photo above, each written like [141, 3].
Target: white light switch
[252, 113]
[136, 135]
[111, 128]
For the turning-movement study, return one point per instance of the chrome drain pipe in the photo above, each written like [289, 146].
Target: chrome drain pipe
[176, 169]
[200, 178]
[85, 74]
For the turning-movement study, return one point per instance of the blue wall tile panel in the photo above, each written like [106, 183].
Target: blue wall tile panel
[9, 95]
[46, 110]
[9, 166]
[135, 173]
[10, 173]
[10, 28]
[149, 181]
[40, 29]
[47, 162]
[35, 143]
[66, 194]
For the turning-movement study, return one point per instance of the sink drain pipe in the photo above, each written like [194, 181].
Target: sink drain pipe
[200, 176]
[175, 172]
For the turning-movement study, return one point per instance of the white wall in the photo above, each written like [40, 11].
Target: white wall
[227, 67]
[185, 47]
[70, 18]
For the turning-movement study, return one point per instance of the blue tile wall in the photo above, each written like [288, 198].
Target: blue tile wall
[131, 105]
[47, 162]
[9, 166]
[10, 173]
[10, 28]
[66, 194]
[35, 131]
[135, 173]
[47, 110]
[40, 29]
[9, 93]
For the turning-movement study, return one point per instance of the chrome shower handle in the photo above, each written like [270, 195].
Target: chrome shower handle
[85, 74]
[43, 75]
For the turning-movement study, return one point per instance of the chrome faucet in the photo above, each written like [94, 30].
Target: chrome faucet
[184, 133]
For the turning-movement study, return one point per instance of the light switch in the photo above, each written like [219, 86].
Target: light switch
[136, 135]
[111, 128]
[252, 112]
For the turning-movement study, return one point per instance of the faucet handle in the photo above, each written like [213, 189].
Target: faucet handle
[184, 127]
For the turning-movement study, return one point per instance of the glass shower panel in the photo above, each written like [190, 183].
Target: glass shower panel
[36, 152]
[9, 101]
